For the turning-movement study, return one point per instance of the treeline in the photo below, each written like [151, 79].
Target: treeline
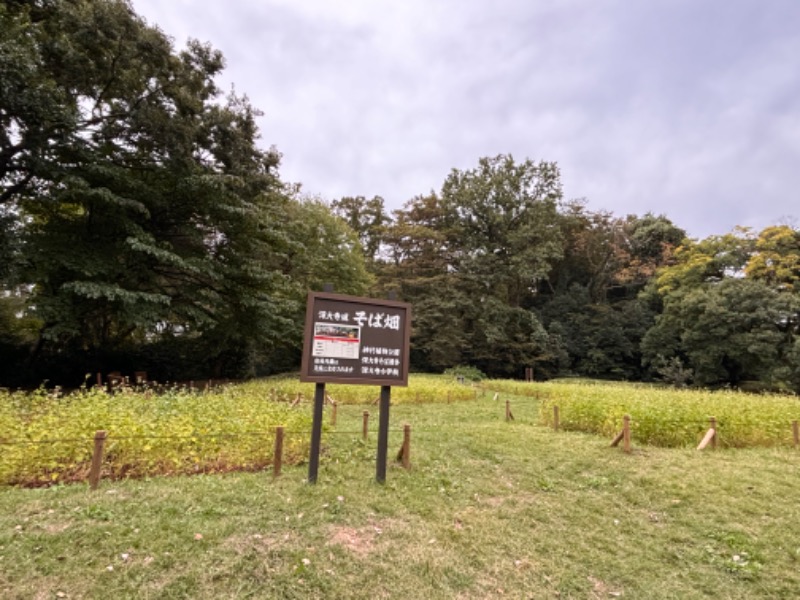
[143, 228]
[504, 274]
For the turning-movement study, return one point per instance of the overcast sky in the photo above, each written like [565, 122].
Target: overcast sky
[689, 108]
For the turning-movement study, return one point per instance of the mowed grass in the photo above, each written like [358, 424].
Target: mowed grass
[490, 509]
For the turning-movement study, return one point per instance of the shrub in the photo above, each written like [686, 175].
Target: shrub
[468, 372]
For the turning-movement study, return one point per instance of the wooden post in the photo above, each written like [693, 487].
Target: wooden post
[406, 446]
[365, 425]
[555, 418]
[383, 433]
[626, 433]
[713, 425]
[796, 434]
[334, 408]
[509, 416]
[97, 458]
[405, 450]
[316, 433]
[277, 455]
[617, 439]
[711, 435]
[99, 379]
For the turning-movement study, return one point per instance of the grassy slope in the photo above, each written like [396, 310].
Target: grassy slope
[490, 509]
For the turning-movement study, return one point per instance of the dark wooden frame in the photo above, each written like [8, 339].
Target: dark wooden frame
[369, 303]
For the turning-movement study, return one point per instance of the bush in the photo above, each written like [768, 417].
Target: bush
[468, 372]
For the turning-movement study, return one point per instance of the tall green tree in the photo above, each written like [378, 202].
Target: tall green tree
[729, 332]
[144, 206]
[367, 218]
[730, 311]
[470, 258]
[418, 266]
[502, 218]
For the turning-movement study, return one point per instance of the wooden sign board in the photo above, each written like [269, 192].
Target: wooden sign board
[356, 340]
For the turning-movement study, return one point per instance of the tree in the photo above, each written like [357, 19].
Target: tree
[146, 211]
[709, 260]
[728, 332]
[776, 258]
[592, 252]
[470, 259]
[502, 221]
[730, 312]
[418, 266]
[367, 218]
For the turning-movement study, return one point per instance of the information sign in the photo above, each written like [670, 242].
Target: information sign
[356, 340]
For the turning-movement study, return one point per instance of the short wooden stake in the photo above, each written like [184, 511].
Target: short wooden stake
[555, 418]
[333, 414]
[617, 439]
[365, 425]
[277, 454]
[796, 434]
[710, 436]
[99, 380]
[297, 399]
[496, 396]
[404, 455]
[626, 433]
[509, 416]
[97, 459]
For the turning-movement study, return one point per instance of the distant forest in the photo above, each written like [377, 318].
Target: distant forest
[142, 227]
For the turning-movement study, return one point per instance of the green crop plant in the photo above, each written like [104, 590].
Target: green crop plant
[48, 440]
[668, 417]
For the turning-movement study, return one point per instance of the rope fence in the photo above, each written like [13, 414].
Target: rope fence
[102, 449]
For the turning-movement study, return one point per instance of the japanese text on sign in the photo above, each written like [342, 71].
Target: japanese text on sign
[356, 340]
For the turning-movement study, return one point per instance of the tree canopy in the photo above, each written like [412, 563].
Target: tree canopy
[144, 210]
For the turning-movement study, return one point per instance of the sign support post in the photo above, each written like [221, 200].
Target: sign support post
[383, 434]
[316, 432]
[352, 340]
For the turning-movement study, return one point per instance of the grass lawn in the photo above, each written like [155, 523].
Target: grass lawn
[489, 510]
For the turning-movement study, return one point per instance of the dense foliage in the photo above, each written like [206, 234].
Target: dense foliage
[49, 439]
[504, 274]
[144, 227]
